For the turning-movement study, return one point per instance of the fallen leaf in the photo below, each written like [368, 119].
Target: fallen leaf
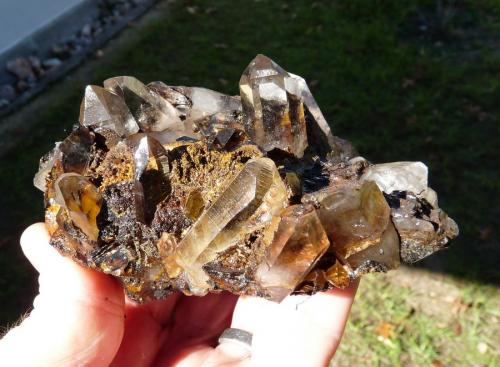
[459, 306]
[385, 331]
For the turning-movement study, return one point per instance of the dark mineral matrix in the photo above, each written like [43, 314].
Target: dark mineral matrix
[187, 189]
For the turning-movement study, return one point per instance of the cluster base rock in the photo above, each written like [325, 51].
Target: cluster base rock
[186, 189]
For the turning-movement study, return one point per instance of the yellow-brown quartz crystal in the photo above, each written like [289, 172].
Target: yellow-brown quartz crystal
[187, 189]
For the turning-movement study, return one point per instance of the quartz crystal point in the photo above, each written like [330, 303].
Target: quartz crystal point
[103, 109]
[229, 217]
[298, 243]
[174, 188]
[151, 112]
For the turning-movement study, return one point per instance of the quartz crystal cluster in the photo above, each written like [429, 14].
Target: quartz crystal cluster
[186, 189]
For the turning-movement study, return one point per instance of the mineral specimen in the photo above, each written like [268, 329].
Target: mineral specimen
[187, 189]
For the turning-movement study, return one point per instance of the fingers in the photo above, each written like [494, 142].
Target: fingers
[146, 327]
[197, 325]
[202, 319]
[77, 317]
[300, 331]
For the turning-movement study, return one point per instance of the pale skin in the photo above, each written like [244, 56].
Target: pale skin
[82, 318]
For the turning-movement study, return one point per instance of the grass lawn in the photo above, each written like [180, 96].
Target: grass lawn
[403, 80]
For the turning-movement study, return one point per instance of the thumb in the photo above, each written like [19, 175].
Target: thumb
[78, 316]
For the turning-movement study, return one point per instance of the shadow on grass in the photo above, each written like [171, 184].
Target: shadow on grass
[397, 95]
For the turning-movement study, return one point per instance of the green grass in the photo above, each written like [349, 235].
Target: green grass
[458, 330]
[395, 91]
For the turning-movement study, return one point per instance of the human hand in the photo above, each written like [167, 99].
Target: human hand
[82, 318]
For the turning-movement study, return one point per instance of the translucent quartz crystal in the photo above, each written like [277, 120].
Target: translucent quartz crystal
[358, 224]
[202, 110]
[338, 275]
[401, 176]
[151, 112]
[242, 198]
[274, 117]
[297, 245]
[76, 149]
[82, 200]
[102, 108]
[174, 188]
[319, 129]
[148, 154]
[46, 164]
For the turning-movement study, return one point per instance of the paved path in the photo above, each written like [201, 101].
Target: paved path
[21, 18]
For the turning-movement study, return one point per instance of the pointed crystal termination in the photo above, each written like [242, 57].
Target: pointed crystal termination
[148, 153]
[76, 149]
[151, 112]
[46, 164]
[102, 109]
[279, 111]
[173, 188]
[243, 196]
[273, 117]
[318, 129]
[297, 245]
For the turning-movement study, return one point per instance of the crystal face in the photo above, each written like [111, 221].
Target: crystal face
[173, 188]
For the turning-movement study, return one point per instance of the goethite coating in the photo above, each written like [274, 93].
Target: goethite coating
[180, 188]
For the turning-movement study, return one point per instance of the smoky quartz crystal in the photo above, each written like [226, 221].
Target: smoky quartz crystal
[186, 189]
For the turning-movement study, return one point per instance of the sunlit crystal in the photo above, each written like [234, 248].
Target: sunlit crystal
[103, 109]
[151, 112]
[274, 115]
[174, 188]
[82, 200]
[298, 243]
[236, 205]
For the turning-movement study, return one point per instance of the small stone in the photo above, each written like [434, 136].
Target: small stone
[61, 51]
[36, 64]
[4, 103]
[23, 86]
[21, 68]
[51, 63]
[7, 92]
[86, 30]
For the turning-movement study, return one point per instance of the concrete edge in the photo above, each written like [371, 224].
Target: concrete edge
[40, 42]
[71, 63]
